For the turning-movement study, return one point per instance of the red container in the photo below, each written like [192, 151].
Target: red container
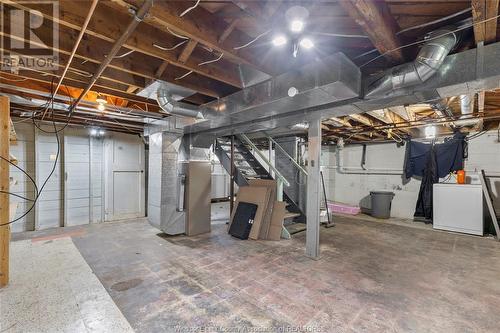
[460, 177]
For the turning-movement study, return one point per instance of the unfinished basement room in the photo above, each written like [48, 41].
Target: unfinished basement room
[249, 166]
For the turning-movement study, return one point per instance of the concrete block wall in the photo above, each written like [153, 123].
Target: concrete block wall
[354, 185]
[74, 193]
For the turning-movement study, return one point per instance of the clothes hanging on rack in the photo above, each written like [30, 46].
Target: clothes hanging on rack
[431, 162]
[449, 156]
[430, 177]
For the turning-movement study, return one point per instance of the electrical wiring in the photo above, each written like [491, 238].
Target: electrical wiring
[418, 27]
[17, 195]
[425, 40]
[190, 8]
[252, 41]
[121, 55]
[79, 72]
[176, 35]
[211, 61]
[329, 34]
[183, 76]
[39, 191]
[23, 171]
[442, 19]
[170, 48]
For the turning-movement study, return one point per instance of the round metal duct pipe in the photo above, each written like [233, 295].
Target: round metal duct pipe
[170, 106]
[428, 61]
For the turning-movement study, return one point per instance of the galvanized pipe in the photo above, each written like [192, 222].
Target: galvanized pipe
[138, 17]
[171, 106]
[428, 61]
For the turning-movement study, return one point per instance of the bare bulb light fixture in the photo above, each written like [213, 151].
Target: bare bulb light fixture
[279, 40]
[297, 25]
[306, 43]
[101, 103]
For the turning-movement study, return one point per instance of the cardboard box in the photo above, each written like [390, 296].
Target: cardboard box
[277, 218]
[266, 221]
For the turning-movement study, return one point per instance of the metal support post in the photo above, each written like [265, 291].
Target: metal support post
[313, 189]
[231, 178]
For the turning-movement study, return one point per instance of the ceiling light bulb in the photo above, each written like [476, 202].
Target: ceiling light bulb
[93, 131]
[279, 40]
[296, 25]
[101, 100]
[101, 107]
[101, 132]
[307, 43]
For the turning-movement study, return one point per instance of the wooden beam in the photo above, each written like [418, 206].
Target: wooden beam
[36, 81]
[482, 10]
[188, 49]
[227, 31]
[200, 25]
[375, 19]
[143, 40]
[135, 63]
[159, 72]
[4, 187]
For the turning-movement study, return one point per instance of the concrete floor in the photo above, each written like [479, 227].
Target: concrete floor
[372, 277]
[52, 289]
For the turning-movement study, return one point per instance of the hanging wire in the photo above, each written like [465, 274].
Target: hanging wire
[339, 35]
[80, 72]
[183, 76]
[252, 41]
[429, 39]
[418, 27]
[121, 55]
[211, 61]
[190, 9]
[435, 21]
[176, 35]
[209, 49]
[170, 48]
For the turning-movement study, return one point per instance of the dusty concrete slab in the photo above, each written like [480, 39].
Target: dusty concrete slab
[52, 289]
[372, 277]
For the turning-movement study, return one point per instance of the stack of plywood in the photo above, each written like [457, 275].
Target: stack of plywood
[269, 217]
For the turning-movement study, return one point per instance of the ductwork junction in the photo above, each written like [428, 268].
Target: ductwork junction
[429, 60]
[169, 105]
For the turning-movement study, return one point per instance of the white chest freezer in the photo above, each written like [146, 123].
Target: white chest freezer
[458, 207]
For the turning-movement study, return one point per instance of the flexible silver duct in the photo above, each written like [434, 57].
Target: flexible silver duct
[427, 63]
[171, 106]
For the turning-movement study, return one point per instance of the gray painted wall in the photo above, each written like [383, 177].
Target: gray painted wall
[74, 194]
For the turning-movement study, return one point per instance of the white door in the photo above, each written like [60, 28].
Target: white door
[124, 164]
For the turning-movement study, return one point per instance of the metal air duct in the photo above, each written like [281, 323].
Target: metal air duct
[428, 61]
[168, 104]
[466, 109]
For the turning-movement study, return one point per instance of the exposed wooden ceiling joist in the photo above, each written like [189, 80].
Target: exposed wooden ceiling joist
[483, 10]
[188, 49]
[376, 20]
[94, 50]
[199, 24]
[143, 40]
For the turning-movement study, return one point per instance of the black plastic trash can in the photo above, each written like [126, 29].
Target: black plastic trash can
[381, 204]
